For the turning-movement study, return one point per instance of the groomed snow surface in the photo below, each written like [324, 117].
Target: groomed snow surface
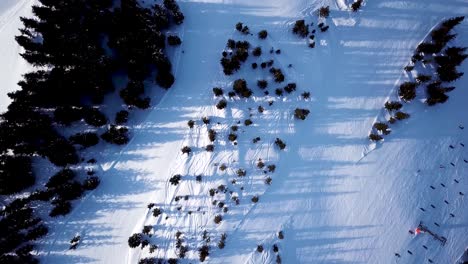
[12, 66]
[336, 197]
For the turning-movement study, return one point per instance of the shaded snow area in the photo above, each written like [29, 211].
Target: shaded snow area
[336, 197]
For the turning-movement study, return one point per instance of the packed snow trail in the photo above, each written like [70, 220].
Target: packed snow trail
[331, 208]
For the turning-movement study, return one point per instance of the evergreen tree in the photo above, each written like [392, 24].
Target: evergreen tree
[15, 174]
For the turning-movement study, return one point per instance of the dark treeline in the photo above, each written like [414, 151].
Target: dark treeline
[445, 59]
[77, 46]
[433, 54]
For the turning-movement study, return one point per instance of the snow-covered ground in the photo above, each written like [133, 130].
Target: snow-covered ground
[12, 66]
[336, 197]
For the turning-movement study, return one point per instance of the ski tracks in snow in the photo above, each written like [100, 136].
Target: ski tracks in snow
[245, 155]
[8, 16]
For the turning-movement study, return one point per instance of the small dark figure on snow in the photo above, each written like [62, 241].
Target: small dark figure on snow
[74, 242]
[397, 255]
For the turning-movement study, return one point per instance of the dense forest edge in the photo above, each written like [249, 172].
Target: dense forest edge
[77, 48]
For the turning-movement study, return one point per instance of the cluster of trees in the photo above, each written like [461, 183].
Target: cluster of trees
[280, 143]
[16, 174]
[263, 34]
[241, 89]
[235, 53]
[381, 129]
[290, 87]
[446, 62]
[63, 188]
[67, 37]
[180, 247]
[157, 261]
[407, 90]
[17, 226]
[76, 46]
[322, 27]
[301, 113]
[242, 28]
[239, 52]
[221, 104]
[324, 11]
[301, 28]
[142, 239]
[277, 74]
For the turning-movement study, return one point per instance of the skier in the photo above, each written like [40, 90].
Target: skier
[74, 242]
[418, 231]
[423, 229]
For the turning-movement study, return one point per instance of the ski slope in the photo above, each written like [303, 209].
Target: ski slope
[12, 66]
[336, 197]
